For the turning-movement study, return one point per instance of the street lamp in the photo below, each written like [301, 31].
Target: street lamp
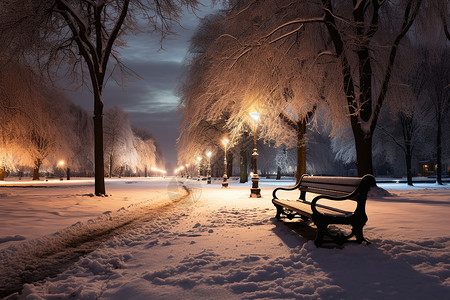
[225, 177]
[208, 170]
[199, 159]
[255, 191]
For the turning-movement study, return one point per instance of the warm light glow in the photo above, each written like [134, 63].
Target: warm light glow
[255, 116]
[208, 153]
[225, 142]
[161, 171]
[61, 163]
[199, 159]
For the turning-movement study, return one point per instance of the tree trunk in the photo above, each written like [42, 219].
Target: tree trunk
[408, 157]
[279, 173]
[301, 150]
[363, 144]
[98, 150]
[37, 165]
[110, 166]
[2, 173]
[243, 165]
[439, 153]
[68, 173]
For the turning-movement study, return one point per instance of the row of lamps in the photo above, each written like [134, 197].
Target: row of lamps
[255, 191]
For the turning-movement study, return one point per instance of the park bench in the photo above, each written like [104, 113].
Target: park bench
[334, 191]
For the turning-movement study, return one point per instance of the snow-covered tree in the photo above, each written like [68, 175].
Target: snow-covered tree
[83, 143]
[147, 152]
[120, 151]
[85, 35]
[35, 121]
[355, 43]
[222, 89]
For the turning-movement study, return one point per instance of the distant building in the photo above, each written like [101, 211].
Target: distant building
[427, 168]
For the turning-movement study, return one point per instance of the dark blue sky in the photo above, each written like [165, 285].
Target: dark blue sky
[151, 102]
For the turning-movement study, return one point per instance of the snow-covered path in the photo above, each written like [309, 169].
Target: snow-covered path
[49, 255]
[221, 244]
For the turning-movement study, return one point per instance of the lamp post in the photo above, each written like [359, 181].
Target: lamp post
[61, 165]
[198, 159]
[208, 170]
[255, 191]
[225, 176]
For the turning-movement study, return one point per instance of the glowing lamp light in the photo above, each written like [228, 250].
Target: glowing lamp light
[225, 142]
[209, 153]
[255, 116]
[61, 163]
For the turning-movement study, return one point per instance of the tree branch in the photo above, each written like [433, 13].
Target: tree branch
[408, 19]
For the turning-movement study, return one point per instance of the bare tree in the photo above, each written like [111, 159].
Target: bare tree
[439, 93]
[86, 35]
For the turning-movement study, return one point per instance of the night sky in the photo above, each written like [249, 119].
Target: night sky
[151, 102]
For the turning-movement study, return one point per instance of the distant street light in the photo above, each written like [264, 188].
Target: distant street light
[255, 191]
[198, 159]
[225, 176]
[208, 170]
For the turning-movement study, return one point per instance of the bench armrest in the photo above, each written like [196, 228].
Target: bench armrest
[359, 195]
[288, 188]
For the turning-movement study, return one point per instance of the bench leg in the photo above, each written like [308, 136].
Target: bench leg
[279, 211]
[358, 232]
[322, 230]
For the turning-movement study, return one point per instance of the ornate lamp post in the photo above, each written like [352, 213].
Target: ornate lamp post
[198, 159]
[225, 176]
[255, 191]
[208, 170]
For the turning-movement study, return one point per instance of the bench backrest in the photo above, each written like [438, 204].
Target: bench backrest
[335, 186]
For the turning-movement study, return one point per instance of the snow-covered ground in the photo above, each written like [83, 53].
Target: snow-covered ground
[218, 243]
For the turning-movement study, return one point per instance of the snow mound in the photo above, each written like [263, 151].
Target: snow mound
[377, 191]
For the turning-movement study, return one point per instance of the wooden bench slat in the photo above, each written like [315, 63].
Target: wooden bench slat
[324, 192]
[326, 187]
[354, 181]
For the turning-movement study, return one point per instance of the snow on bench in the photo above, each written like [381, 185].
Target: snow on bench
[331, 190]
